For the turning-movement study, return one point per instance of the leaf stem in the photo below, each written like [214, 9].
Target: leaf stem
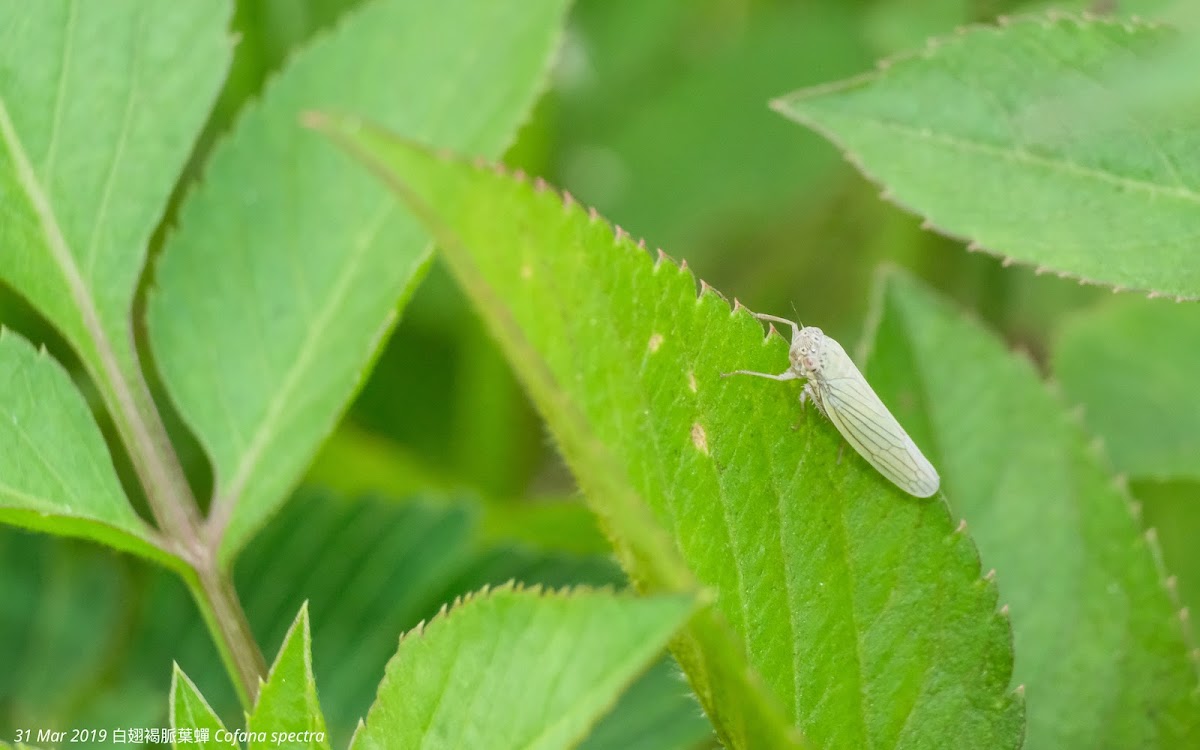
[218, 601]
[178, 516]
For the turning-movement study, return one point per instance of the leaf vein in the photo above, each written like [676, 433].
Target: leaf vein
[280, 402]
[1020, 156]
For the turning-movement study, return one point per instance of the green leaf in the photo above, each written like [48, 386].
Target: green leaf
[93, 636]
[961, 133]
[826, 574]
[56, 474]
[1089, 606]
[517, 668]
[1132, 364]
[191, 713]
[288, 269]
[288, 713]
[99, 108]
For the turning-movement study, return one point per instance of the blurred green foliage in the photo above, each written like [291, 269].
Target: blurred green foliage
[658, 116]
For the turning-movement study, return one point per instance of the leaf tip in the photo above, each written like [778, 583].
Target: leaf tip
[661, 259]
[706, 288]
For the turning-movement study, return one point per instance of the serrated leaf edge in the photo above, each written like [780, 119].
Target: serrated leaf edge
[863, 350]
[659, 260]
[1120, 485]
[1095, 447]
[1067, 320]
[489, 591]
[338, 128]
[1049, 19]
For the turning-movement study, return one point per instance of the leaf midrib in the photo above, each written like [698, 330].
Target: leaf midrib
[105, 367]
[226, 502]
[1013, 155]
[56, 243]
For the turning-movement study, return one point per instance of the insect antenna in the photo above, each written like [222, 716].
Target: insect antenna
[797, 315]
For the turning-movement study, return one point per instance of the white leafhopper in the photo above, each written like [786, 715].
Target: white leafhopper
[843, 395]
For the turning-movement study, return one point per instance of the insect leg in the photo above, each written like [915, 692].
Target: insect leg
[810, 394]
[789, 375]
[776, 319]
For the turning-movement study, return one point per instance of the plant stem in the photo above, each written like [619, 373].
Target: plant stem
[178, 516]
[218, 601]
[113, 364]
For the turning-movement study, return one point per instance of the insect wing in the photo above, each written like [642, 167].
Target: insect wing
[856, 411]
